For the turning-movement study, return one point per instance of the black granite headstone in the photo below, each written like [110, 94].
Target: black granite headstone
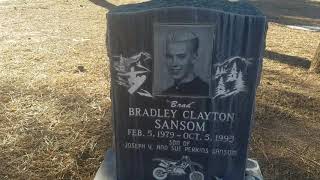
[184, 78]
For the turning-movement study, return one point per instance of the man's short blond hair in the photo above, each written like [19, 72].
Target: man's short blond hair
[184, 36]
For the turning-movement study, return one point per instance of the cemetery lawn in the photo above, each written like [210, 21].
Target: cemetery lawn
[55, 116]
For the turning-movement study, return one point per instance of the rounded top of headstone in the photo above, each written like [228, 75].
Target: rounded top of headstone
[226, 6]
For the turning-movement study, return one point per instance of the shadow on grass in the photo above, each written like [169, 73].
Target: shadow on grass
[103, 3]
[297, 12]
[281, 77]
[287, 59]
[93, 126]
[285, 168]
[284, 139]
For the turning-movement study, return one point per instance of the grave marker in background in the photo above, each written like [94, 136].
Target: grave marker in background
[184, 78]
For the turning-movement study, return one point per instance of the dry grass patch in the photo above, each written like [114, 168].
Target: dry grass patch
[54, 115]
[287, 129]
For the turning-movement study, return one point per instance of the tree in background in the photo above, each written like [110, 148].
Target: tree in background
[315, 64]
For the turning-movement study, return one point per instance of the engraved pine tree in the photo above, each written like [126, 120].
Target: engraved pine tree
[218, 72]
[240, 84]
[233, 73]
[221, 89]
[230, 77]
[223, 70]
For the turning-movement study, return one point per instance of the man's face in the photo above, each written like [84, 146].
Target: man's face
[180, 59]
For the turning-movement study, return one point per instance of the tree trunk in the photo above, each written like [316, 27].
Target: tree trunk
[315, 64]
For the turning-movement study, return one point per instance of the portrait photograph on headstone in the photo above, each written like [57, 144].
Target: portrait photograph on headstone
[183, 59]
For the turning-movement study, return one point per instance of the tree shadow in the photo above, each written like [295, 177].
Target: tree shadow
[93, 126]
[276, 76]
[297, 12]
[287, 59]
[103, 3]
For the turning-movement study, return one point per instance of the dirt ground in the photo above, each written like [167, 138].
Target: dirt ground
[54, 91]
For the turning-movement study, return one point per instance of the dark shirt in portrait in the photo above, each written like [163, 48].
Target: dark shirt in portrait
[196, 87]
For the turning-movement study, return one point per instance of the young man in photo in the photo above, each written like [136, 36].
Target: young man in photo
[181, 57]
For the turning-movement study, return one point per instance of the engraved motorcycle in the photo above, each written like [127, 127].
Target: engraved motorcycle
[177, 168]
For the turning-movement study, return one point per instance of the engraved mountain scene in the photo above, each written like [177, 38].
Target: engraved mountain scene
[132, 72]
[229, 77]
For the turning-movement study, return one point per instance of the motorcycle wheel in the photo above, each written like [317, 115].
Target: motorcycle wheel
[160, 173]
[196, 175]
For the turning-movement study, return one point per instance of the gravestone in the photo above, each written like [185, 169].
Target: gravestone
[184, 78]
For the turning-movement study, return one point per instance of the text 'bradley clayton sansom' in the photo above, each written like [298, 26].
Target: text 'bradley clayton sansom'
[187, 114]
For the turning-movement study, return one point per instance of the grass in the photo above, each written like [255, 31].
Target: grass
[53, 118]
[285, 138]
[55, 105]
